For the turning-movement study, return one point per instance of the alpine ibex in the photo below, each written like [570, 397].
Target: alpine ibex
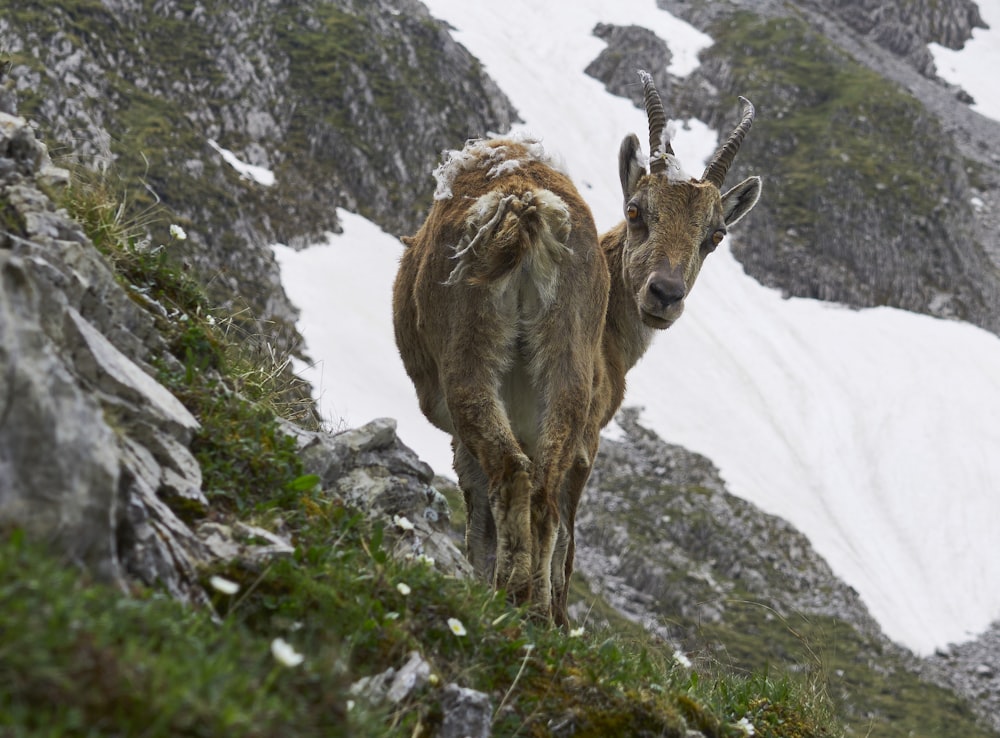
[517, 325]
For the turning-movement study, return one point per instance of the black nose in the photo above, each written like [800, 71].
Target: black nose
[667, 290]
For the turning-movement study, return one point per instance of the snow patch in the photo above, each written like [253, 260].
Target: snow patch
[260, 175]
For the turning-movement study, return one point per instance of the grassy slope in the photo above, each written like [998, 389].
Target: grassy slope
[78, 659]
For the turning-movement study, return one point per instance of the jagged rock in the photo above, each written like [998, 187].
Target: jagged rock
[88, 439]
[413, 675]
[631, 48]
[392, 684]
[251, 545]
[372, 470]
[970, 669]
[986, 671]
[467, 713]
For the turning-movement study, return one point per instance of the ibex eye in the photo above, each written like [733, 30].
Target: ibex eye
[632, 211]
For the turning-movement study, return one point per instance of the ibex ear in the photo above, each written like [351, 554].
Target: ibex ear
[740, 200]
[630, 168]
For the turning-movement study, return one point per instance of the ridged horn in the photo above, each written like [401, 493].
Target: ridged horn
[716, 171]
[657, 122]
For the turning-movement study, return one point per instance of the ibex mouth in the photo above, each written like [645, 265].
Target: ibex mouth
[662, 321]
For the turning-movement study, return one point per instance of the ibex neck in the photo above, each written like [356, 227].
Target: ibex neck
[626, 337]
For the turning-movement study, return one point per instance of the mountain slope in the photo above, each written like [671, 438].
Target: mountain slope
[141, 89]
[350, 103]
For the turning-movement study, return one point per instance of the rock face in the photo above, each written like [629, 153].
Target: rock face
[658, 534]
[94, 451]
[631, 48]
[348, 104]
[89, 441]
[905, 29]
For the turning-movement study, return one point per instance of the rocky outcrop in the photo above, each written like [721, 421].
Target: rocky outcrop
[662, 541]
[347, 104]
[631, 48]
[660, 537]
[94, 451]
[90, 443]
[371, 470]
[905, 29]
[971, 669]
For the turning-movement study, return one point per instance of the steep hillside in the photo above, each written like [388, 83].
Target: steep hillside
[874, 168]
[177, 559]
[663, 542]
[346, 103]
[137, 338]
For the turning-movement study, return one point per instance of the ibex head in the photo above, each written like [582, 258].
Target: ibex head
[673, 223]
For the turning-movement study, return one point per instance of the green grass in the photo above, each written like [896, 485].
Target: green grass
[109, 664]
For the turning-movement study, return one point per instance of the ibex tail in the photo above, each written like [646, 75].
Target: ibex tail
[504, 231]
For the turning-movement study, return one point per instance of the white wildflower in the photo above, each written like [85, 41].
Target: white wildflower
[402, 522]
[746, 726]
[425, 559]
[392, 615]
[285, 654]
[176, 232]
[456, 627]
[682, 659]
[403, 588]
[576, 632]
[221, 584]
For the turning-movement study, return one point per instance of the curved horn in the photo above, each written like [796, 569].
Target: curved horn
[657, 122]
[716, 171]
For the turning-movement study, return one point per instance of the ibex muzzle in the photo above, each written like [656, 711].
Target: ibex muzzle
[517, 325]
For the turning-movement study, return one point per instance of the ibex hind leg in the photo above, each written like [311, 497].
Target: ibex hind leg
[480, 527]
[484, 429]
[565, 550]
[512, 510]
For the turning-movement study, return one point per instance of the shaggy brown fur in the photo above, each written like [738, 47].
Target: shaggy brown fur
[517, 326]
